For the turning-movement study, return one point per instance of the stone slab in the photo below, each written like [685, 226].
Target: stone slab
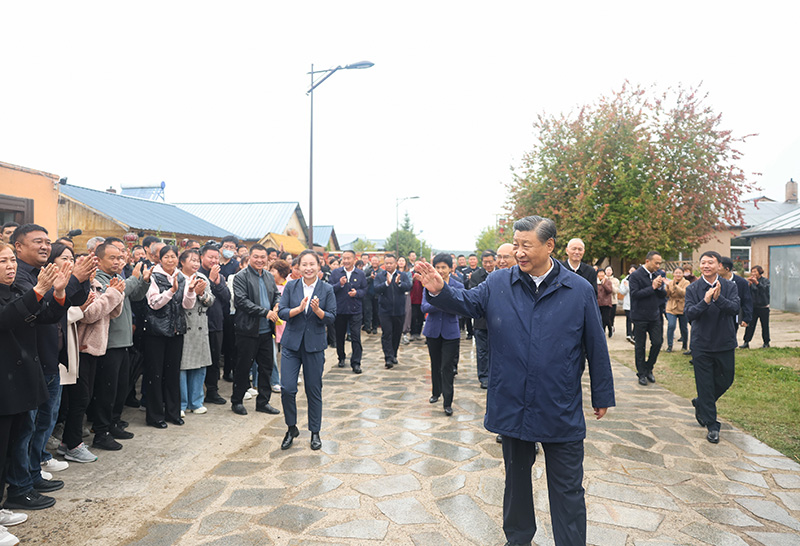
[346, 502]
[402, 458]
[390, 485]
[726, 487]
[159, 534]
[318, 487]
[256, 537]
[623, 516]
[237, 468]
[602, 536]
[636, 454]
[466, 516]
[192, 503]
[446, 485]
[692, 494]
[769, 510]
[431, 467]
[778, 463]
[222, 523]
[750, 478]
[255, 497]
[630, 495]
[479, 465]
[356, 466]
[405, 511]
[712, 535]
[728, 516]
[790, 499]
[491, 490]
[774, 539]
[364, 529]
[787, 481]
[304, 462]
[292, 517]
[429, 539]
[446, 450]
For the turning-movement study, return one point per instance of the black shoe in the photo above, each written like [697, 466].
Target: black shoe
[394, 360]
[687, 352]
[713, 436]
[696, 416]
[669, 349]
[357, 368]
[341, 362]
[316, 443]
[651, 378]
[107, 442]
[228, 376]
[389, 364]
[499, 439]
[433, 399]
[47, 486]
[291, 434]
[455, 370]
[743, 346]
[132, 402]
[119, 434]
[215, 398]
[484, 384]
[238, 409]
[266, 408]
[765, 346]
[31, 500]
[536, 448]
[157, 424]
[643, 381]
[121, 424]
[347, 337]
[680, 340]
[179, 421]
[448, 411]
[518, 544]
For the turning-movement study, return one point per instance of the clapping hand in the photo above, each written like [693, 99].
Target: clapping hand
[213, 275]
[352, 293]
[342, 280]
[84, 267]
[303, 304]
[175, 282]
[117, 284]
[46, 278]
[62, 280]
[89, 300]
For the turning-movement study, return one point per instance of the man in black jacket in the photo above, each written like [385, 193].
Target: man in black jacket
[712, 303]
[256, 297]
[759, 290]
[209, 266]
[349, 286]
[479, 326]
[390, 288]
[647, 294]
[575, 251]
[745, 314]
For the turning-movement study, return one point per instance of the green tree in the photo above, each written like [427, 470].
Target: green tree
[492, 237]
[634, 172]
[363, 245]
[405, 239]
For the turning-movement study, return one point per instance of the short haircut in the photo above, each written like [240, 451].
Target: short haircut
[149, 240]
[229, 239]
[10, 224]
[24, 229]
[389, 255]
[651, 254]
[186, 253]
[135, 247]
[687, 266]
[270, 250]
[460, 256]
[544, 228]
[473, 255]
[359, 264]
[758, 268]
[488, 253]
[57, 250]
[284, 256]
[258, 247]
[712, 254]
[168, 248]
[190, 241]
[309, 252]
[100, 250]
[414, 251]
[208, 248]
[65, 238]
[114, 240]
[349, 252]
[727, 263]
[443, 258]
[282, 267]
[295, 261]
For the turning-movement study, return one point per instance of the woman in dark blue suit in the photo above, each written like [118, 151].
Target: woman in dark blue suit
[307, 306]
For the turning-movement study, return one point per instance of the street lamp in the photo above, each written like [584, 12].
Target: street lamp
[397, 223]
[314, 84]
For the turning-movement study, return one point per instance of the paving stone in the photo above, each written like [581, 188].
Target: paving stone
[429, 539]
[356, 424]
[787, 481]
[726, 487]
[350, 435]
[659, 475]
[364, 528]
[304, 462]
[778, 463]
[636, 454]
[256, 537]
[402, 439]
[774, 539]
[632, 496]
[192, 503]
[728, 516]
[693, 466]
[431, 467]
[237, 468]
[591, 451]
[692, 494]
[750, 478]
[159, 534]
[741, 465]
[469, 437]
[376, 413]
[750, 445]
[471, 407]
[677, 451]
[347, 502]
[635, 437]
[446, 485]
[716, 451]
[597, 436]
[602, 536]
[255, 497]
[769, 510]
[414, 424]
[222, 523]
[613, 477]
[491, 490]
[356, 466]
[479, 465]
[614, 425]
[622, 516]
[466, 516]
[293, 478]
[659, 541]
[318, 487]
[668, 435]
[292, 517]
[330, 447]
[406, 511]
[712, 535]
[391, 485]
[791, 499]
[402, 458]
[446, 450]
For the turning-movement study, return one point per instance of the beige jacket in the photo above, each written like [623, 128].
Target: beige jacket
[93, 327]
[677, 297]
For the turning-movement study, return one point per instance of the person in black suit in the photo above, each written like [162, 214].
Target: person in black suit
[575, 251]
[308, 306]
[349, 285]
[647, 294]
[390, 287]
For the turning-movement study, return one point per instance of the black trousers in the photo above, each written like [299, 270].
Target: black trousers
[212, 370]
[366, 312]
[443, 353]
[163, 377]
[229, 344]
[110, 389]
[606, 317]
[761, 313]
[564, 467]
[10, 426]
[713, 376]
[391, 332]
[417, 318]
[253, 348]
[628, 323]
[79, 396]
[341, 323]
[135, 363]
[654, 329]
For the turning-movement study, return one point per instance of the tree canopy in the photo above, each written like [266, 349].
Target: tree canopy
[634, 172]
[407, 240]
[492, 237]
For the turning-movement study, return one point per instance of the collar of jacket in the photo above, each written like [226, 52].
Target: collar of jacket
[560, 276]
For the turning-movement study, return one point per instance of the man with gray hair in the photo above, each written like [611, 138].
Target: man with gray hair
[94, 242]
[543, 321]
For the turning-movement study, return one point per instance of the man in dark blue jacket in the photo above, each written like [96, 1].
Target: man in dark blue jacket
[647, 294]
[369, 304]
[209, 266]
[349, 285]
[745, 314]
[712, 304]
[391, 286]
[542, 319]
[759, 290]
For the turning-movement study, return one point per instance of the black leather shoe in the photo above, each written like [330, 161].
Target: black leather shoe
[31, 500]
[291, 434]
[394, 360]
[107, 442]
[643, 381]
[713, 436]
[357, 368]
[499, 439]
[448, 411]
[266, 408]
[179, 421]
[121, 424]
[157, 424]
[389, 365]
[687, 353]
[518, 544]
[46, 486]
[119, 434]
[484, 384]
[215, 398]
[669, 349]
[132, 402]
[238, 409]
[433, 399]
[651, 378]
[341, 363]
[228, 377]
[765, 346]
[696, 416]
[744, 346]
[316, 443]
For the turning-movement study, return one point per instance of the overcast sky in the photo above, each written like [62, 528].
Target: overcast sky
[211, 97]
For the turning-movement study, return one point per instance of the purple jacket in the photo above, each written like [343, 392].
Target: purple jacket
[440, 323]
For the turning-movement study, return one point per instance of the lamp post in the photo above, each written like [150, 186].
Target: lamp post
[397, 223]
[314, 84]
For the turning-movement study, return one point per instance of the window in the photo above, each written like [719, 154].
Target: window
[15, 209]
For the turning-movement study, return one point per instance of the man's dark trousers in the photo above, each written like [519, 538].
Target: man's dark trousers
[713, 376]
[564, 487]
[212, 370]
[366, 308]
[341, 324]
[249, 349]
[229, 340]
[391, 332]
[655, 329]
[482, 353]
[762, 314]
[110, 385]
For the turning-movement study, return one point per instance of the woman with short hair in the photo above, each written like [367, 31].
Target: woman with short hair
[196, 354]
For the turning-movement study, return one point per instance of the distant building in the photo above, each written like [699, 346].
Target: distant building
[29, 196]
[325, 238]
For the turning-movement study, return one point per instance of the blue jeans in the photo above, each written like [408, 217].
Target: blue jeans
[671, 320]
[192, 388]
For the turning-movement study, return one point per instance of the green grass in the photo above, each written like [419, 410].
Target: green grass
[764, 399]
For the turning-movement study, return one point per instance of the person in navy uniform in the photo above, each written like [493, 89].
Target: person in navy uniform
[349, 286]
[543, 320]
[391, 286]
[308, 306]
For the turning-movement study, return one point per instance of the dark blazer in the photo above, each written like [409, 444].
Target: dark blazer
[584, 270]
[306, 329]
[346, 305]
[713, 326]
[745, 299]
[392, 298]
[645, 302]
[222, 302]
[247, 297]
[477, 277]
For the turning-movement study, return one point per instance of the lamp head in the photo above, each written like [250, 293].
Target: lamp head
[359, 65]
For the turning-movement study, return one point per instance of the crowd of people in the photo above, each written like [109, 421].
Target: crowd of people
[90, 332]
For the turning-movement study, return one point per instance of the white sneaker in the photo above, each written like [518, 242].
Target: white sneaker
[253, 391]
[46, 475]
[247, 395]
[80, 454]
[9, 518]
[276, 388]
[54, 465]
[201, 410]
[183, 414]
[6, 538]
